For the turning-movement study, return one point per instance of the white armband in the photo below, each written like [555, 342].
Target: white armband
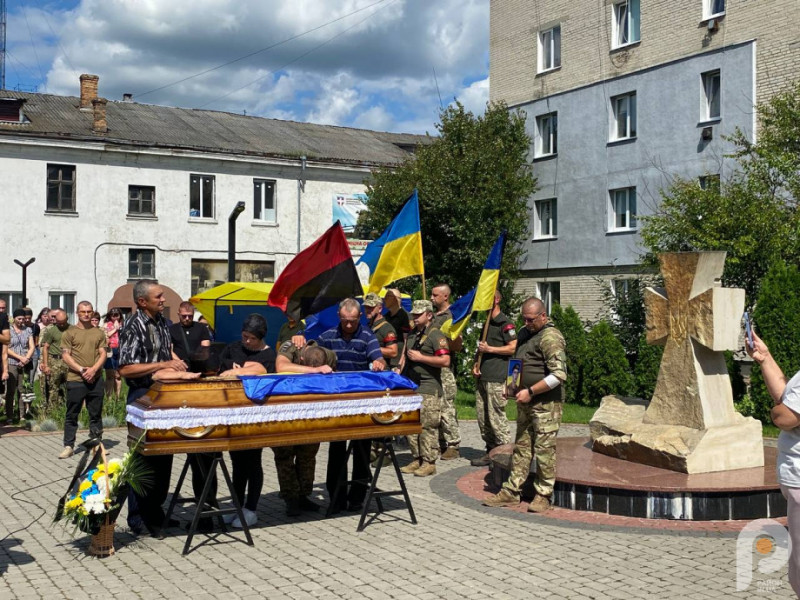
[552, 381]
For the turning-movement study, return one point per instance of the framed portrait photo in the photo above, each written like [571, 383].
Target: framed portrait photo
[513, 377]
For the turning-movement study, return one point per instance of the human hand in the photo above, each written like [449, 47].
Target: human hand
[483, 347]
[759, 351]
[523, 396]
[45, 369]
[5, 375]
[88, 374]
[299, 341]
[324, 369]
[176, 365]
[378, 365]
[476, 369]
[414, 355]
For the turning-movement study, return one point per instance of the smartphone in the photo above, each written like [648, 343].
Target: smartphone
[748, 329]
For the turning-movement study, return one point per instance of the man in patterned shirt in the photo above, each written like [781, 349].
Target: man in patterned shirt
[145, 348]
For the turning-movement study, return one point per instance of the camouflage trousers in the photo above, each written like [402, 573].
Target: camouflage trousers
[56, 382]
[490, 407]
[426, 444]
[537, 428]
[449, 433]
[296, 465]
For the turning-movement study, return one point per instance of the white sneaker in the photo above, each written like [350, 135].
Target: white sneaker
[250, 517]
[228, 519]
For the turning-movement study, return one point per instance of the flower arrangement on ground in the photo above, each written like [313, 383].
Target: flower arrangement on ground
[96, 496]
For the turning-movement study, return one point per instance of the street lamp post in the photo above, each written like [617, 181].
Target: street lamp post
[24, 279]
[237, 210]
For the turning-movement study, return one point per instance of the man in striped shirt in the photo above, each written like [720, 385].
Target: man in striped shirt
[357, 349]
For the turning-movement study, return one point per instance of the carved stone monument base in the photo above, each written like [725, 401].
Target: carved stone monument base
[618, 429]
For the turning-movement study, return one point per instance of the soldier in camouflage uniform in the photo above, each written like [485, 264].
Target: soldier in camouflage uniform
[427, 355]
[387, 339]
[491, 369]
[54, 369]
[290, 329]
[296, 464]
[449, 433]
[544, 371]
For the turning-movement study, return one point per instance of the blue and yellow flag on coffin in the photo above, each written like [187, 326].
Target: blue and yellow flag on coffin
[478, 298]
[397, 253]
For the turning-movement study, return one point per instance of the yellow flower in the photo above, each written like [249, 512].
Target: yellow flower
[96, 475]
[75, 503]
[114, 466]
[85, 485]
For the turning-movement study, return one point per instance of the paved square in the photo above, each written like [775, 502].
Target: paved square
[459, 549]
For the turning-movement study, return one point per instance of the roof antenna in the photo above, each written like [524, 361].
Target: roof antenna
[436, 81]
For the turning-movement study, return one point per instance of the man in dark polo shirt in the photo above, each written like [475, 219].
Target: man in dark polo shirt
[491, 369]
[145, 348]
[188, 336]
[356, 349]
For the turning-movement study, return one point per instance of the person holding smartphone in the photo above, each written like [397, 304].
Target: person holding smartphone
[786, 416]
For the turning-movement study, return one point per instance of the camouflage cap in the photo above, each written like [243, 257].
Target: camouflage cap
[372, 299]
[421, 306]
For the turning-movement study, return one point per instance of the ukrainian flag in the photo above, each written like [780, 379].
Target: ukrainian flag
[478, 298]
[397, 253]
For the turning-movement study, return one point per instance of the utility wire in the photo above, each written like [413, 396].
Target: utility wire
[33, 45]
[270, 47]
[58, 41]
[294, 60]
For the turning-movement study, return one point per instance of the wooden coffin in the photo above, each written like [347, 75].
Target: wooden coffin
[226, 396]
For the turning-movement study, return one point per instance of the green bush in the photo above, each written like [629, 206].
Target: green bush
[570, 325]
[645, 373]
[777, 321]
[605, 366]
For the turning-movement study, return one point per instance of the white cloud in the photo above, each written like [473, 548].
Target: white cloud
[371, 69]
[475, 96]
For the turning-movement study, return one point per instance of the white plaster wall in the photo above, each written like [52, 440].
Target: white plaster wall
[88, 253]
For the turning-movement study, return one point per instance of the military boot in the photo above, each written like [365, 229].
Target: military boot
[425, 469]
[483, 461]
[412, 466]
[502, 498]
[451, 453]
[540, 504]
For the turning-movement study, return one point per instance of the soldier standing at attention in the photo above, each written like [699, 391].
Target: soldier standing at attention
[427, 356]
[449, 433]
[491, 371]
[544, 370]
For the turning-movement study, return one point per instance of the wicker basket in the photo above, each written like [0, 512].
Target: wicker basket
[103, 542]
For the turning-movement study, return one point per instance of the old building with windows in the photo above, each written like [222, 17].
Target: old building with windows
[102, 193]
[621, 96]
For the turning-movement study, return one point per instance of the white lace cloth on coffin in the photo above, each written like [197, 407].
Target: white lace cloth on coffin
[186, 418]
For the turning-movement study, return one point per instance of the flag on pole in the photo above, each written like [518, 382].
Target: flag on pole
[480, 297]
[397, 253]
[318, 277]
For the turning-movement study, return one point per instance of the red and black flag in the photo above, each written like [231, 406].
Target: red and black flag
[318, 277]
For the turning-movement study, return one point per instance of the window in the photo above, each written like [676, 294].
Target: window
[544, 216]
[264, 200]
[13, 300]
[550, 49]
[141, 200]
[141, 263]
[61, 188]
[546, 135]
[711, 95]
[625, 23]
[65, 300]
[623, 124]
[201, 196]
[623, 209]
[549, 294]
[709, 181]
[713, 8]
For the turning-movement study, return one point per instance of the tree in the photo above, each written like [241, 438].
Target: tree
[752, 215]
[569, 324]
[777, 320]
[645, 372]
[474, 180]
[605, 366]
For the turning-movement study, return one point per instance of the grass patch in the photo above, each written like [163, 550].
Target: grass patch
[573, 413]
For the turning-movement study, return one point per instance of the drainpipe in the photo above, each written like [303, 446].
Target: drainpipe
[301, 188]
[237, 210]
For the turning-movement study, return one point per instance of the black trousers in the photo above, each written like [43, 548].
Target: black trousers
[79, 392]
[200, 463]
[247, 473]
[336, 474]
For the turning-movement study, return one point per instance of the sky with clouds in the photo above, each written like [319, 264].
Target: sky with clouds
[360, 63]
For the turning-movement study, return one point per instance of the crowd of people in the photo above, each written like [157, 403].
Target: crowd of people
[147, 347]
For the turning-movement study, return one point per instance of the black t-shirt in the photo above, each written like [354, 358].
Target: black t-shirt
[235, 352]
[4, 324]
[186, 340]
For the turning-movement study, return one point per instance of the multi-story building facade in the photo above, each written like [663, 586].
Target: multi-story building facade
[621, 97]
[103, 193]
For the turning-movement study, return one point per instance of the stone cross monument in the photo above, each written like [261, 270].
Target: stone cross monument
[690, 424]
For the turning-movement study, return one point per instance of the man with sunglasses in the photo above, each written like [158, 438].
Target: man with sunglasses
[544, 370]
